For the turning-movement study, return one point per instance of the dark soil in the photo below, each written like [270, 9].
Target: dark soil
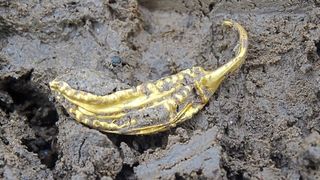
[262, 123]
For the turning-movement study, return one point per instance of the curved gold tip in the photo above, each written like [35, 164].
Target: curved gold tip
[213, 79]
[228, 23]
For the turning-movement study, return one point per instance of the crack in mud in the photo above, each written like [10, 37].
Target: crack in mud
[79, 151]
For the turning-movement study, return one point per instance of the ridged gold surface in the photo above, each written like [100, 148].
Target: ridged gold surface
[154, 106]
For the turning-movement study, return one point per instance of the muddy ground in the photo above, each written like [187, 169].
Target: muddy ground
[262, 123]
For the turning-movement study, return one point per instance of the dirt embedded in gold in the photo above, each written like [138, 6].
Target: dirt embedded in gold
[154, 106]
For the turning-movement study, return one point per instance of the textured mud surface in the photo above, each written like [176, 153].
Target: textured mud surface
[262, 123]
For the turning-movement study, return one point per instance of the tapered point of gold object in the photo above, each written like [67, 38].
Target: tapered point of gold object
[213, 79]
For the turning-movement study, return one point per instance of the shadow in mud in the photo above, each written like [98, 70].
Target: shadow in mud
[24, 97]
[140, 144]
[126, 173]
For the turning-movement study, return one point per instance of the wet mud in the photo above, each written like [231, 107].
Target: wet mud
[262, 123]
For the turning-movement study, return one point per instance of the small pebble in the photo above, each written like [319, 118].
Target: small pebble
[182, 133]
[116, 60]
